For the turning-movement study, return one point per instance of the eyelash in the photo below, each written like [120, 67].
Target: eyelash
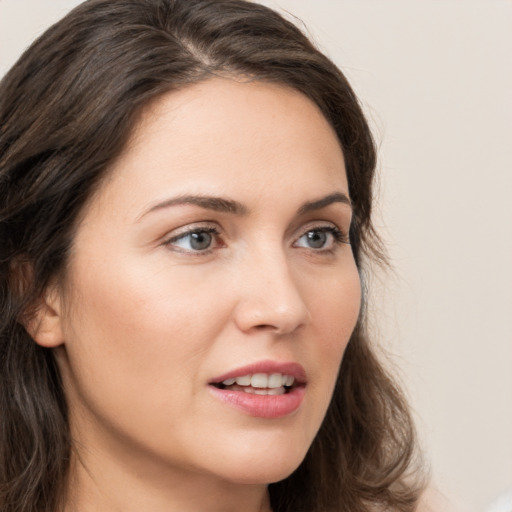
[339, 237]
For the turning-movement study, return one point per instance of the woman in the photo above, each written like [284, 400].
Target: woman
[186, 192]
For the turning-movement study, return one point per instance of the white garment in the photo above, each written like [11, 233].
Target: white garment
[502, 504]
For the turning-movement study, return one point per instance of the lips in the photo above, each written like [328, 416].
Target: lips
[267, 389]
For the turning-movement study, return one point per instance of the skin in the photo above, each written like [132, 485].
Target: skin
[142, 321]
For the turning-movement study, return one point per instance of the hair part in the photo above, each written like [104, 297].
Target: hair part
[67, 110]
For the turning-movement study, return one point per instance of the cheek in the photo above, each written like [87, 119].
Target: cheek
[335, 312]
[132, 328]
[119, 297]
[136, 346]
[341, 315]
[336, 308]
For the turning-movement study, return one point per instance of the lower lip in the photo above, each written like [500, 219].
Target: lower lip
[262, 406]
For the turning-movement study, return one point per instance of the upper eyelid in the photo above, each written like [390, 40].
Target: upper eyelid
[317, 224]
[208, 225]
[192, 228]
[192, 231]
[188, 229]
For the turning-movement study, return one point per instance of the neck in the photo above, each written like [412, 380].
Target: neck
[103, 484]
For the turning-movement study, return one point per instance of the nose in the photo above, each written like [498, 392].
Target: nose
[269, 297]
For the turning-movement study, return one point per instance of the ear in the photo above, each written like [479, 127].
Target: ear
[43, 318]
[45, 323]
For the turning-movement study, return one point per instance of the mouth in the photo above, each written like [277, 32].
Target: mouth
[272, 384]
[266, 389]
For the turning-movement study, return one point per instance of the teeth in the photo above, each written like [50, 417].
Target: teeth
[275, 380]
[262, 381]
[259, 380]
[276, 391]
[245, 380]
[289, 380]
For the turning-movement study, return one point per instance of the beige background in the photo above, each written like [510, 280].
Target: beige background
[436, 79]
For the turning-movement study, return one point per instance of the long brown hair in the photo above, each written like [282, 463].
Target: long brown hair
[67, 108]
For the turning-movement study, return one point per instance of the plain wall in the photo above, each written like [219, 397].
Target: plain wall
[436, 79]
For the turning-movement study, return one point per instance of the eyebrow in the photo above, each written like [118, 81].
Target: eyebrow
[220, 204]
[336, 197]
[217, 204]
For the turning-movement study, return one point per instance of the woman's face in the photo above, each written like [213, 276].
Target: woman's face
[211, 270]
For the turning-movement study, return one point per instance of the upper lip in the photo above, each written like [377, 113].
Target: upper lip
[285, 368]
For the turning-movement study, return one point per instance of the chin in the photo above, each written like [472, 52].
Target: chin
[264, 476]
[264, 466]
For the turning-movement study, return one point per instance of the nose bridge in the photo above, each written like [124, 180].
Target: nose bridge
[270, 296]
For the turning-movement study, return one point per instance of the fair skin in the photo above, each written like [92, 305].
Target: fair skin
[218, 241]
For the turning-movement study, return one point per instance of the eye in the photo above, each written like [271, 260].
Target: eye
[321, 238]
[195, 240]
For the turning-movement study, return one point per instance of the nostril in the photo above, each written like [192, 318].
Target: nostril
[263, 327]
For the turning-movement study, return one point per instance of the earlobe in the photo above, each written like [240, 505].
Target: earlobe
[45, 323]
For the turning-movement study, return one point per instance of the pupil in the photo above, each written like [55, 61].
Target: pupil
[200, 241]
[316, 239]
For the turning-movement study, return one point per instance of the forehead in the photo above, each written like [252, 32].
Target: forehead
[223, 137]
